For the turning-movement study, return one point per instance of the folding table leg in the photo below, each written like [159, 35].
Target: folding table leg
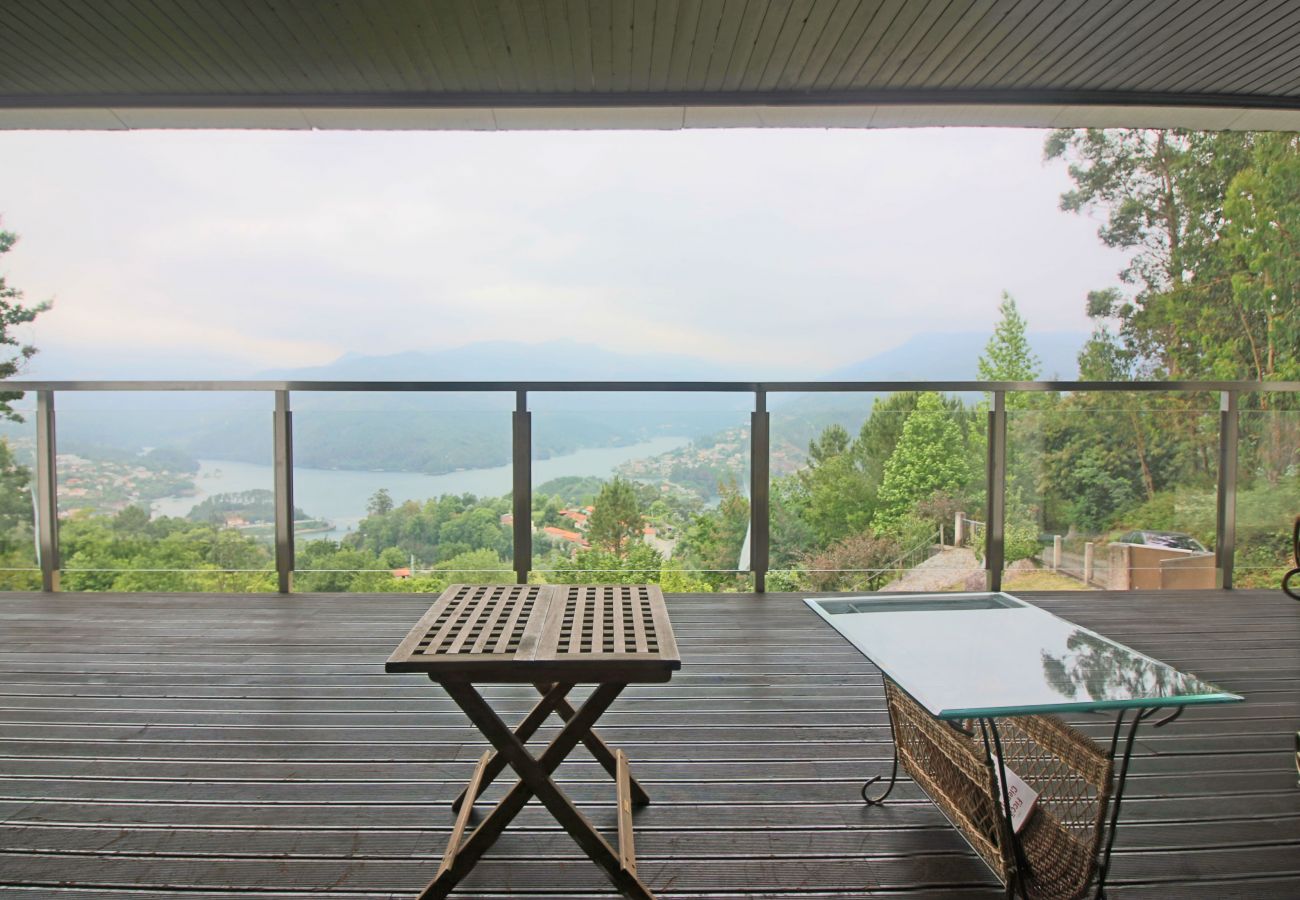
[534, 775]
[554, 700]
[552, 697]
[600, 750]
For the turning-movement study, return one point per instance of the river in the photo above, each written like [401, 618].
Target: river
[341, 495]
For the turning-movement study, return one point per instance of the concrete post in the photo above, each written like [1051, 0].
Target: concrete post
[1119, 567]
[1056, 552]
[1088, 551]
[958, 533]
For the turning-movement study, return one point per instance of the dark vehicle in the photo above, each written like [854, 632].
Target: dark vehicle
[1174, 540]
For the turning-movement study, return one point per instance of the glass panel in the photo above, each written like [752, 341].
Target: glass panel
[401, 491]
[165, 491]
[19, 565]
[1268, 488]
[1014, 660]
[647, 487]
[1111, 491]
[866, 491]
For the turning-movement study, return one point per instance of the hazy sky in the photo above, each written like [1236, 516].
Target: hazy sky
[233, 252]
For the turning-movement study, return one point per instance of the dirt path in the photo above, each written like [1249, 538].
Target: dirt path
[948, 568]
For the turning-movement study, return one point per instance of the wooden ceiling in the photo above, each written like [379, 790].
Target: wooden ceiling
[648, 63]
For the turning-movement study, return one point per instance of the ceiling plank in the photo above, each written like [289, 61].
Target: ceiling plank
[682, 55]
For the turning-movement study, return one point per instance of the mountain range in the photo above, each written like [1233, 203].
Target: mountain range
[439, 433]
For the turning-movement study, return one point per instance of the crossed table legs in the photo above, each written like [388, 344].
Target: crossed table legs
[535, 780]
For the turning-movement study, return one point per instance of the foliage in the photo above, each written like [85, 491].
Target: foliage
[617, 523]
[1008, 356]
[930, 456]
[711, 543]
[129, 552]
[438, 529]
[639, 563]
[1210, 223]
[571, 490]
[482, 566]
[13, 313]
[257, 505]
[17, 525]
[1019, 541]
[856, 563]
[380, 503]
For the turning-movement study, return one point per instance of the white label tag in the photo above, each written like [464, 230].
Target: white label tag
[1022, 796]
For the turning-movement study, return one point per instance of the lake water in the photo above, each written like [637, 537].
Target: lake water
[341, 495]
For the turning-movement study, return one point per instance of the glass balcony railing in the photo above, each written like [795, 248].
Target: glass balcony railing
[20, 568]
[795, 486]
[165, 492]
[1113, 490]
[1267, 488]
[401, 491]
[659, 494]
[866, 491]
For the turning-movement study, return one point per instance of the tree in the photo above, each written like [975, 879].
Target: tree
[380, 504]
[13, 313]
[839, 494]
[857, 563]
[1166, 199]
[1007, 356]
[1209, 221]
[639, 563]
[616, 521]
[712, 541]
[930, 456]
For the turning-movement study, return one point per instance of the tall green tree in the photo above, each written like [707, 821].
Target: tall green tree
[1007, 356]
[930, 456]
[13, 312]
[617, 521]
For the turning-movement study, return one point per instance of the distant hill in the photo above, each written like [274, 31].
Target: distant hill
[934, 356]
[954, 356]
[441, 433]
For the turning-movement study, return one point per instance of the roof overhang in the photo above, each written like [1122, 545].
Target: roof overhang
[659, 64]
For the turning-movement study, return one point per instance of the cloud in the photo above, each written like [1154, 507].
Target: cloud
[275, 249]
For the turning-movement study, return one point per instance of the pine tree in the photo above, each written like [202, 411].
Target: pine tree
[1007, 355]
[617, 520]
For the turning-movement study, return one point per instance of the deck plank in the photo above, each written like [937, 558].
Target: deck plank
[227, 745]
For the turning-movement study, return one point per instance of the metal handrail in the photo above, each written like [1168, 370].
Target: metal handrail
[46, 500]
[774, 387]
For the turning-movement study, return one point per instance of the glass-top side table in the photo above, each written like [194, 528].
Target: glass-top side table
[973, 682]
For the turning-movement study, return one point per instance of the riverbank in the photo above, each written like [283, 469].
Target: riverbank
[341, 495]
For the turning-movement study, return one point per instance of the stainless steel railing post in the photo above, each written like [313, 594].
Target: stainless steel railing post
[996, 486]
[759, 490]
[522, 495]
[47, 492]
[283, 452]
[1225, 520]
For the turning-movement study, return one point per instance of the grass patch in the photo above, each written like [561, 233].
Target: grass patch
[1043, 581]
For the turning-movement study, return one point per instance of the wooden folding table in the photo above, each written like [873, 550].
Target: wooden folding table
[553, 637]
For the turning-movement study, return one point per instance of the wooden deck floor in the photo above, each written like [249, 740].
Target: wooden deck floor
[210, 746]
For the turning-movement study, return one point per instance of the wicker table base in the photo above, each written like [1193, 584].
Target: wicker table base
[1066, 843]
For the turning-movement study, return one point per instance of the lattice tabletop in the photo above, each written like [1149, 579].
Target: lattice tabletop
[531, 633]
